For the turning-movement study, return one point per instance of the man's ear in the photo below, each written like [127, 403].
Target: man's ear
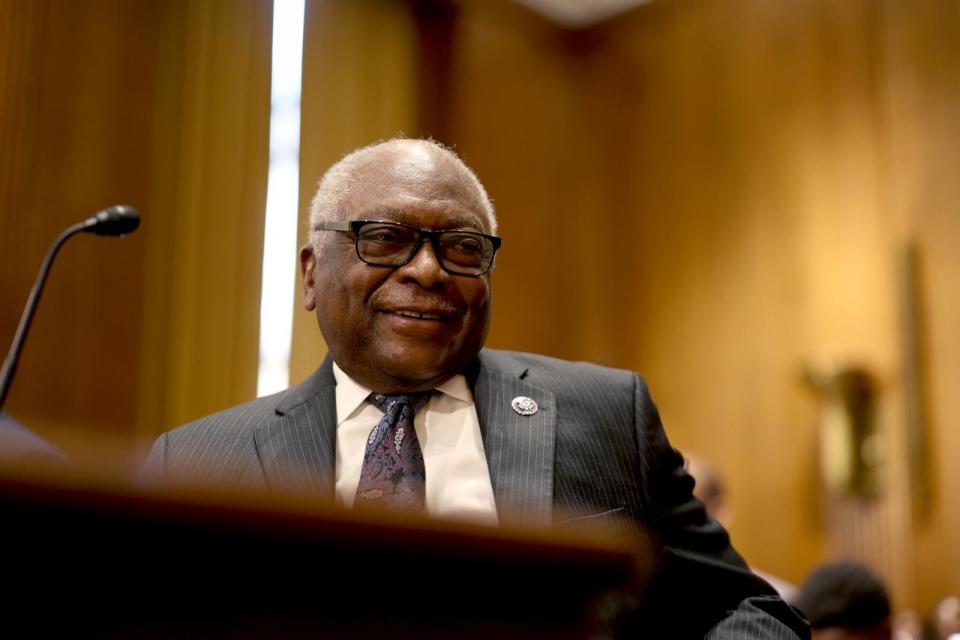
[308, 269]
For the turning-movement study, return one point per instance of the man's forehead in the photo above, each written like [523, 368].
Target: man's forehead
[410, 181]
[411, 159]
[440, 217]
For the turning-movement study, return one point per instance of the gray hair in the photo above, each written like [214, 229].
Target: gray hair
[337, 184]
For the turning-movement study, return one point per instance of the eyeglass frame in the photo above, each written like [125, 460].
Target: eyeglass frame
[424, 234]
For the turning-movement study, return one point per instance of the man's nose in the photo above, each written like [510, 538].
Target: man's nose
[424, 268]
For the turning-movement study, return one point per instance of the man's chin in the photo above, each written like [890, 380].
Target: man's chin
[417, 375]
[410, 371]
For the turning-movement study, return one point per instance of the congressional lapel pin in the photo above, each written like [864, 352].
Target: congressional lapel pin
[524, 406]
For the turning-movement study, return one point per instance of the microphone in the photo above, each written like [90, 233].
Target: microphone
[117, 220]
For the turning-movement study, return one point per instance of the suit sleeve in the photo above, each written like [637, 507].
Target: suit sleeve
[703, 588]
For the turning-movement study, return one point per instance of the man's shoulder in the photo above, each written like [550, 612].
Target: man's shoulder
[556, 372]
[218, 449]
[534, 361]
[236, 419]
[253, 413]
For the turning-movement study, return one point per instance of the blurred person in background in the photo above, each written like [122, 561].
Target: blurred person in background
[945, 619]
[907, 625]
[711, 490]
[845, 601]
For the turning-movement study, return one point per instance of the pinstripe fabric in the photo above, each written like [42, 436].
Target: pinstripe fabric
[283, 442]
[756, 618]
[595, 447]
[586, 421]
[297, 449]
[519, 449]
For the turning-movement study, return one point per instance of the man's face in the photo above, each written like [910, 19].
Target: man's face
[366, 313]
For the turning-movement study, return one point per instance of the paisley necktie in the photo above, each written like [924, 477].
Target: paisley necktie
[393, 477]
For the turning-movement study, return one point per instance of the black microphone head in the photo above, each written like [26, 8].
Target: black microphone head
[117, 220]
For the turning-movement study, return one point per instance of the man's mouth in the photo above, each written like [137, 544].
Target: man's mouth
[428, 316]
[421, 316]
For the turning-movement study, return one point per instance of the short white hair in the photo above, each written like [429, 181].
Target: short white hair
[337, 185]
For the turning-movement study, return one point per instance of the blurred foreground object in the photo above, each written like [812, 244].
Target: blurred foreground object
[19, 445]
[135, 563]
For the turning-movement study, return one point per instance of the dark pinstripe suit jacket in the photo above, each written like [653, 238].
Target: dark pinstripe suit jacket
[596, 446]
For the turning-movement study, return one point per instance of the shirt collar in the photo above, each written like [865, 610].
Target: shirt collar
[352, 396]
[457, 387]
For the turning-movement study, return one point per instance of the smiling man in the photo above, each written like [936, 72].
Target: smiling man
[422, 316]
[409, 413]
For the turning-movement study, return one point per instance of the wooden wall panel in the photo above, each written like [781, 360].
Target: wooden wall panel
[921, 97]
[163, 106]
[201, 328]
[75, 138]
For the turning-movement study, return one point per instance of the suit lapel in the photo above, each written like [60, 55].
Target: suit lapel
[519, 449]
[297, 446]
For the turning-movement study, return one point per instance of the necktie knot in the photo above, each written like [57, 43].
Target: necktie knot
[387, 403]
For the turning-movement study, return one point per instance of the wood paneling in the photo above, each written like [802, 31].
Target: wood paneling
[921, 99]
[76, 137]
[163, 106]
[200, 334]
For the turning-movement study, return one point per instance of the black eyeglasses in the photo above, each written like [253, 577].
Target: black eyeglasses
[393, 244]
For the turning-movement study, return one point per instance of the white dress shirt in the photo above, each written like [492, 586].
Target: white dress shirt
[457, 478]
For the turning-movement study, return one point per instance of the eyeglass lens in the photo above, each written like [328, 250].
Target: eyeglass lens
[392, 245]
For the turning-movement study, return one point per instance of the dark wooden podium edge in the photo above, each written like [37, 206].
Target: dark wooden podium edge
[595, 561]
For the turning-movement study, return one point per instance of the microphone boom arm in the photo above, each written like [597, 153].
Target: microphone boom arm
[13, 356]
[115, 220]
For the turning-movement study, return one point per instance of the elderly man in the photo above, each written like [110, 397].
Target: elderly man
[409, 412]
